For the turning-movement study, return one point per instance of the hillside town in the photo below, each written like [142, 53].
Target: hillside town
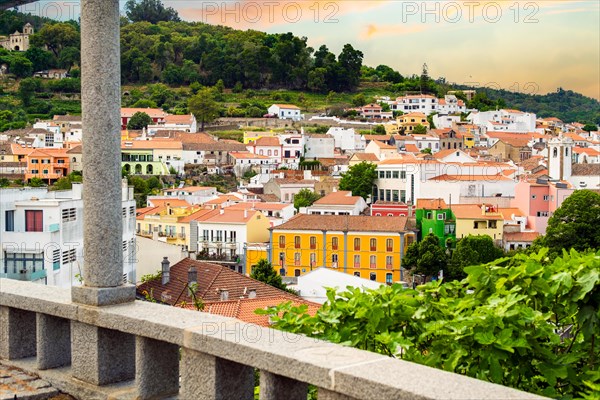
[498, 173]
[196, 209]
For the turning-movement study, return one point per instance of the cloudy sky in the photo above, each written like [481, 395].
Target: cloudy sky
[530, 46]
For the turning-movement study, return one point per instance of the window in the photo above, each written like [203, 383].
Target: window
[357, 261]
[388, 262]
[388, 174]
[56, 259]
[45, 172]
[373, 276]
[357, 244]
[395, 195]
[373, 261]
[373, 244]
[388, 279]
[357, 274]
[34, 171]
[534, 197]
[395, 174]
[282, 242]
[334, 260]
[124, 245]
[34, 221]
[296, 272]
[132, 211]
[15, 263]
[313, 259]
[313, 242]
[334, 243]
[124, 212]
[297, 259]
[296, 242]
[402, 174]
[441, 216]
[542, 213]
[381, 174]
[69, 214]
[546, 198]
[429, 215]
[68, 256]
[9, 221]
[34, 161]
[389, 245]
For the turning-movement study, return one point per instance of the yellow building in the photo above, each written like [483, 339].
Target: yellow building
[169, 221]
[253, 136]
[473, 219]
[255, 252]
[368, 247]
[408, 122]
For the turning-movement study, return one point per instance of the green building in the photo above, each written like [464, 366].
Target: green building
[141, 162]
[434, 216]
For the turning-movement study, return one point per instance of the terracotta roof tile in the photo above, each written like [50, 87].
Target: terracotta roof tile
[520, 236]
[344, 223]
[431, 204]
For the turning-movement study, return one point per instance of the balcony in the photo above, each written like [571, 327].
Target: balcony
[42, 333]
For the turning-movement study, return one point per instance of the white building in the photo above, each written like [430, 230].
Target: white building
[445, 121]
[17, 41]
[313, 286]
[560, 155]
[42, 235]
[337, 203]
[319, 146]
[244, 161]
[422, 103]
[347, 139]
[450, 104]
[514, 121]
[268, 146]
[286, 111]
[192, 194]
[182, 123]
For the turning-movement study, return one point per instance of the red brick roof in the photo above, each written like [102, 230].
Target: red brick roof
[521, 236]
[212, 279]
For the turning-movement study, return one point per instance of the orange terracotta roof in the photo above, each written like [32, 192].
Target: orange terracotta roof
[378, 137]
[469, 178]
[200, 215]
[191, 189]
[246, 155]
[231, 216]
[287, 106]
[260, 206]
[521, 236]
[431, 204]
[366, 157]
[411, 148]
[586, 150]
[510, 211]
[152, 112]
[223, 199]
[244, 309]
[179, 119]
[170, 202]
[339, 198]
[266, 141]
[344, 223]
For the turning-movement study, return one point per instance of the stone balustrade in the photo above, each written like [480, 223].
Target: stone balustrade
[147, 351]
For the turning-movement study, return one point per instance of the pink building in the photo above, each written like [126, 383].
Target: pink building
[268, 146]
[391, 209]
[538, 199]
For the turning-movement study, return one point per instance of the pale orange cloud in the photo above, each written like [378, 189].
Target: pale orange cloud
[260, 15]
[373, 30]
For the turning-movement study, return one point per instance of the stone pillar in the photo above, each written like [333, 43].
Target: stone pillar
[101, 123]
[54, 342]
[205, 377]
[156, 368]
[274, 387]
[17, 333]
[101, 356]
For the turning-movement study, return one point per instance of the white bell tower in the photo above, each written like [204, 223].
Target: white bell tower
[560, 153]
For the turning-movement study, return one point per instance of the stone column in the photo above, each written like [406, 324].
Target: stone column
[273, 387]
[101, 122]
[101, 356]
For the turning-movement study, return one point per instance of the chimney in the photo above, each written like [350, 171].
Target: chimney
[224, 294]
[166, 274]
[192, 276]
[221, 211]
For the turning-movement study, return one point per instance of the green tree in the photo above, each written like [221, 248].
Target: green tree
[21, 66]
[471, 250]
[27, 89]
[523, 322]
[379, 130]
[574, 225]
[69, 57]
[36, 182]
[305, 198]
[220, 86]
[204, 107]
[590, 128]
[419, 130]
[152, 11]
[359, 100]
[40, 58]
[264, 272]
[4, 182]
[426, 257]
[56, 37]
[317, 80]
[139, 120]
[359, 179]
[426, 151]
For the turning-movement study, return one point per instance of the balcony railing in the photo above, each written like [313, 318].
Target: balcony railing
[165, 351]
